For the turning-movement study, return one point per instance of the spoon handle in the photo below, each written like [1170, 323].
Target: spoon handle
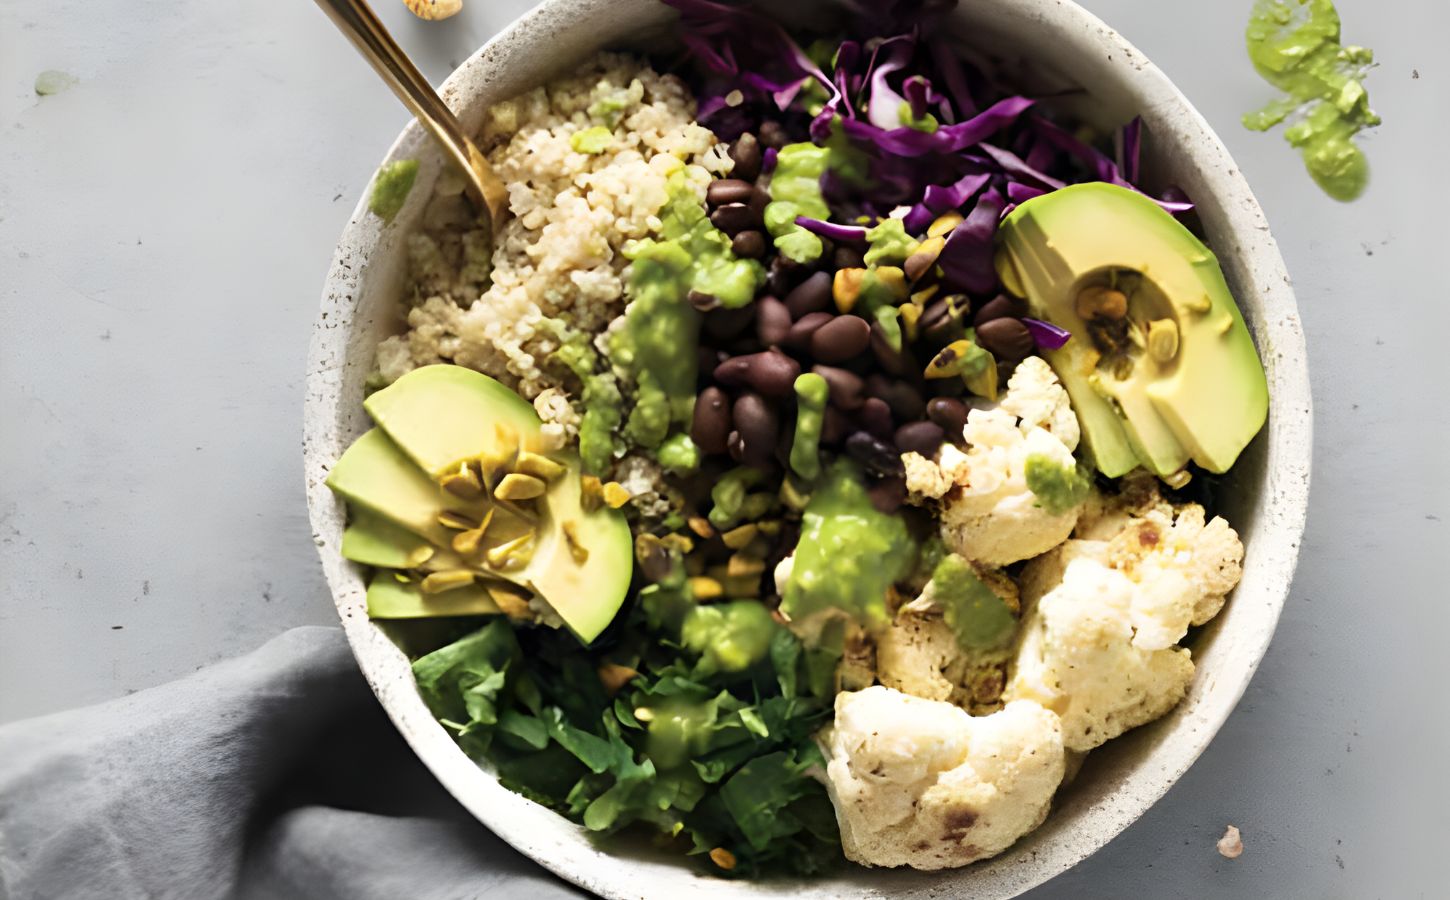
[356, 20]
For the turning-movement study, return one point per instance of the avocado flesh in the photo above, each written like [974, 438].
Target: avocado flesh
[389, 598]
[372, 540]
[441, 415]
[382, 472]
[1206, 402]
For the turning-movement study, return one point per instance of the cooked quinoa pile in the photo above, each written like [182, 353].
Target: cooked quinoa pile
[558, 260]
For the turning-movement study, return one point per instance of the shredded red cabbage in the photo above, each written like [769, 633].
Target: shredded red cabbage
[967, 259]
[854, 234]
[1047, 335]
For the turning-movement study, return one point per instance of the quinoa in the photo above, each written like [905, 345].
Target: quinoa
[557, 265]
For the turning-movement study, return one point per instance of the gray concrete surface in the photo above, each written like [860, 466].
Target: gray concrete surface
[165, 226]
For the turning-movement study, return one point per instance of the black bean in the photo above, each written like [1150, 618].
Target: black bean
[1006, 339]
[728, 190]
[875, 416]
[710, 428]
[733, 218]
[758, 200]
[745, 344]
[847, 390]
[702, 301]
[785, 273]
[941, 322]
[725, 323]
[948, 412]
[900, 363]
[758, 426]
[919, 437]
[878, 457]
[946, 387]
[887, 494]
[731, 372]
[770, 372]
[998, 307]
[811, 295]
[773, 135]
[735, 446]
[748, 245]
[835, 425]
[840, 339]
[848, 258]
[905, 401]
[772, 321]
[747, 154]
[800, 334]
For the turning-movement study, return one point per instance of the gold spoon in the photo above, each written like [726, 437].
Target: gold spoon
[361, 26]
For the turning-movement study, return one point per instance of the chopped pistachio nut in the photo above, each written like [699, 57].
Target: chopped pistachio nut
[944, 224]
[1163, 339]
[510, 599]
[701, 526]
[910, 314]
[577, 550]
[456, 520]
[920, 262]
[1098, 302]
[705, 588]
[591, 493]
[539, 466]
[846, 288]
[740, 566]
[516, 486]
[738, 538]
[447, 580]
[960, 357]
[512, 554]
[615, 495]
[463, 484]
[614, 677]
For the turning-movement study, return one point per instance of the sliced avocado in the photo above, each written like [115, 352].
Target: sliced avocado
[586, 594]
[1194, 391]
[440, 415]
[375, 475]
[372, 540]
[389, 598]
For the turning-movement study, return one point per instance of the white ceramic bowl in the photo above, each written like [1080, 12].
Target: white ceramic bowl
[1266, 495]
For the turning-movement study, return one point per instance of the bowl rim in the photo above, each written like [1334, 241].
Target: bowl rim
[1288, 462]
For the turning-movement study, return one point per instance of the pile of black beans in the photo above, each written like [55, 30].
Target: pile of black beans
[880, 402]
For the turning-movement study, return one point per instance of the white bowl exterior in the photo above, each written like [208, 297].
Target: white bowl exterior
[1123, 778]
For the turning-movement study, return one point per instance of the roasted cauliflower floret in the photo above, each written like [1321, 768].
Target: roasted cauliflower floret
[1177, 539]
[921, 783]
[1015, 491]
[1093, 650]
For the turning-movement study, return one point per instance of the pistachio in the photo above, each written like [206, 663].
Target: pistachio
[735, 585]
[644, 714]
[1100, 302]
[769, 528]
[433, 10]
[677, 543]
[403, 577]
[1163, 339]
[960, 357]
[910, 314]
[615, 494]
[894, 280]
[614, 676]
[944, 224]
[738, 538]
[463, 484]
[456, 520]
[793, 495]
[539, 466]
[705, 588]
[741, 565]
[511, 599]
[920, 297]
[655, 559]
[846, 288]
[447, 580]
[516, 486]
[420, 556]
[514, 554]
[722, 858]
[701, 526]
[591, 493]
[1178, 479]
[571, 537]
[920, 262]
[465, 543]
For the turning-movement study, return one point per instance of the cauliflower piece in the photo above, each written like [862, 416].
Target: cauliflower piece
[1097, 650]
[1038, 400]
[921, 783]
[1176, 539]
[924, 478]
[1104, 515]
[991, 516]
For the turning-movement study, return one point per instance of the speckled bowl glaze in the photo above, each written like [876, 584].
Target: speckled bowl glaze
[1267, 493]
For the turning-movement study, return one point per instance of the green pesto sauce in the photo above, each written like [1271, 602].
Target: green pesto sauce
[591, 140]
[890, 244]
[602, 402]
[848, 554]
[679, 730]
[795, 190]
[661, 328]
[926, 122]
[391, 187]
[1295, 46]
[729, 637]
[979, 618]
[1058, 488]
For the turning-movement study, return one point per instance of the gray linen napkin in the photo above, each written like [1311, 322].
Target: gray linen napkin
[273, 776]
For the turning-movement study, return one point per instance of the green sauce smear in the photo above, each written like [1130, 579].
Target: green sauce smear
[1295, 46]
[1058, 488]
[661, 328]
[391, 187]
[848, 554]
[979, 618]
[795, 190]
